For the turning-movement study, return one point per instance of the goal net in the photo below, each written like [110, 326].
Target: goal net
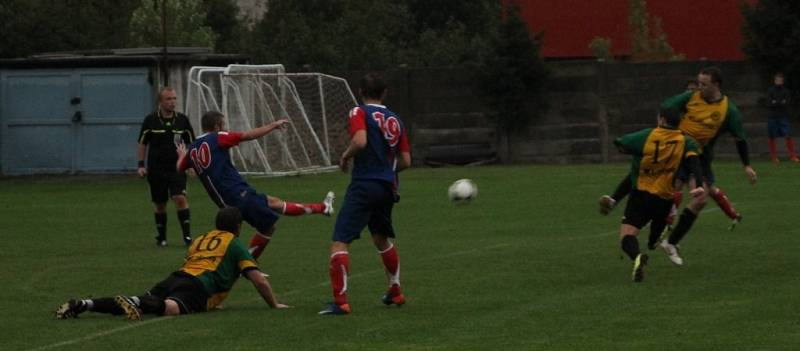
[316, 104]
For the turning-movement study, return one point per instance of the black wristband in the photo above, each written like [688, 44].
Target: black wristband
[141, 164]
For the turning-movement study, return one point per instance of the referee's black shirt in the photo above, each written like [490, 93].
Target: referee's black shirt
[160, 135]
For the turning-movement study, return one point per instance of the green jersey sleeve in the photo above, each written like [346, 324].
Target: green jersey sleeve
[678, 101]
[691, 148]
[733, 122]
[244, 260]
[633, 143]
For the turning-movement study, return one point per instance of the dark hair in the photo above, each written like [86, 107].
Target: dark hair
[372, 86]
[229, 219]
[714, 73]
[210, 119]
[671, 116]
[779, 74]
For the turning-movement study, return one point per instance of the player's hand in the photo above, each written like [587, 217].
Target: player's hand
[281, 306]
[142, 172]
[751, 174]
[280, 123]
[697, 192]
[344, 164]
[181, 149]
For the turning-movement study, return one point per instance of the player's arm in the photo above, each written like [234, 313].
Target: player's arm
[678, 101]
[183, 161]
[632, 143]
[734, 125]
[263, 130]
[358, 137]
[264, 289]
[693, 163]
[405, 153]
[141, 148]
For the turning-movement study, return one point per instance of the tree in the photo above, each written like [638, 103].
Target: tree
[222, 16]
[34, 26]
[647, 44]
[515, 76]
[770, 37]
[186, 24]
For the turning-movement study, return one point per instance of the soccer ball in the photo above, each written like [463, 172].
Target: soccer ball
[462, 190]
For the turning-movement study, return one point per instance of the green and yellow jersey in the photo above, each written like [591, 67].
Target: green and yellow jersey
[217, 259]
[705, 121]
[657, 154]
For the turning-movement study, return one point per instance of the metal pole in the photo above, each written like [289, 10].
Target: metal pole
[164, 66]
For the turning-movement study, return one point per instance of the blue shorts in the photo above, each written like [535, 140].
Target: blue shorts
[367, 203]
[705, 167]
[256, 212]
[778, 127]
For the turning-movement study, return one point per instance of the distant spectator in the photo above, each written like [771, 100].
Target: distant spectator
[778, 99]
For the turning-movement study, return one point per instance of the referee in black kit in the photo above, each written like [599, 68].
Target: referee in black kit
[161, 132]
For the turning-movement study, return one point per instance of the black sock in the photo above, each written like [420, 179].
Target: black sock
[184, 219]
[106, 305]
[656, 228]
[623, 189]
[684, 223]
[151, 304]
[631, 246]
[161, 225]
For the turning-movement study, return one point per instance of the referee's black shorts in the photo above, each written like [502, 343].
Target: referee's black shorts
[166, 184]
[643, 207]
[187, 291]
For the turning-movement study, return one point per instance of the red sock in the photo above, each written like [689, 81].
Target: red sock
[338, 270]
[392, 264]
[298, 209]
[724, 204]
[790, 147]
[773, 153]
[257, 244]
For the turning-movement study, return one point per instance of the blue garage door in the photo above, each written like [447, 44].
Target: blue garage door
[72, 120]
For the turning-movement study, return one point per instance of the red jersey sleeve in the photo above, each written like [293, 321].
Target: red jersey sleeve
[357, 120]
[403, 145]
[228, 140]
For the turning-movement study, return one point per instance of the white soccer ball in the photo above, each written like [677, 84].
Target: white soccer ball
[462, 190]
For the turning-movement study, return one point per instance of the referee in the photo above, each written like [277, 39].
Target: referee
[161, 132]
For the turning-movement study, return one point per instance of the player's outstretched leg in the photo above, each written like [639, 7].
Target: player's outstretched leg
[299, 209]
[722, 201]
[338, 271]
[70, 309]
[630, 245]
[258, 243]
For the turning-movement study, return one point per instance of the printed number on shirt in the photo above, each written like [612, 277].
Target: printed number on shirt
[201, 157]
[390, 127]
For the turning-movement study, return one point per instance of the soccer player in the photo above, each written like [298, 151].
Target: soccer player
[212, 265]
[778, 98]
[210, 158]
[708, 113]
[379, 147]
[161, 132]
[657, 155]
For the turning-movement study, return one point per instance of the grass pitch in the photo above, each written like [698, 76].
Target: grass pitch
[529, 265]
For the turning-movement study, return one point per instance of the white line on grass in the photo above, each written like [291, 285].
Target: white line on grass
[291, 292]
[99, 334]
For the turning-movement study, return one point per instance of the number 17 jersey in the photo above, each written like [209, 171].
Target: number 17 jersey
[657, 154]
[386, 139]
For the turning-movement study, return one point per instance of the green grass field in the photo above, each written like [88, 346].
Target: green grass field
[529, 265]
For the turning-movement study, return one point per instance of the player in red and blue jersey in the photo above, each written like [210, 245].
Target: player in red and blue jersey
[209, 156]
[379, 149]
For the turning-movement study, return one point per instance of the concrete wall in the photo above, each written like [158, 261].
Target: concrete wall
[591, 103]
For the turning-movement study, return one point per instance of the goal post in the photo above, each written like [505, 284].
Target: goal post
[316, 104]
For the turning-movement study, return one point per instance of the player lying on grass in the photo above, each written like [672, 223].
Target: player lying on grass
[213, 263]
[209, 155]
[657, 155]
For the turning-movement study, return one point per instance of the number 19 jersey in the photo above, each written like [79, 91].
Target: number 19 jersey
[386, 139]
